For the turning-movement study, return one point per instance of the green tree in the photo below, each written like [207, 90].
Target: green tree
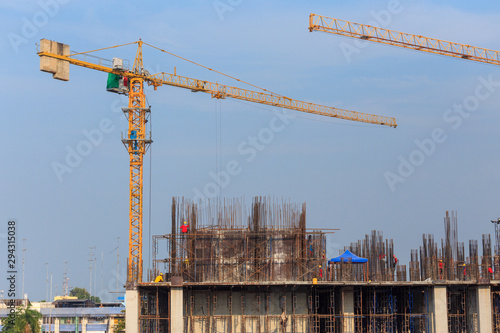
[9, 323]
[120, 326]
[26, 320]
[82, 293]
[95, 299]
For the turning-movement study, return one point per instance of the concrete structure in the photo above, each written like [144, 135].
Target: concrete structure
[59, 68]
[176, 305]
[484, 307]
[439, 306]
[131, 320]
[263, 270]
[323, 307]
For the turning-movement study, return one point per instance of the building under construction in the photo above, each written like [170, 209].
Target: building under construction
[228, 268]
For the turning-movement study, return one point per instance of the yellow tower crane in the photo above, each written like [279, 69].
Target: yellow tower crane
[401, 39]
[55, 58]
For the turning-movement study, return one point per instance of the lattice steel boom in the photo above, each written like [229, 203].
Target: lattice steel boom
[137, 141]
[401, 39]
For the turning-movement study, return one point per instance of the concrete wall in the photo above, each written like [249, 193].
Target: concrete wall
[272, 309]
[84, 324]
[439, 308]
[245, 311]
[484, 307]
[56, 325]
[111, 325]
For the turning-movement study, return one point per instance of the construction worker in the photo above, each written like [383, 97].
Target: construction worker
[184, 227]
[384, 260]
[440, 269]
[320, 272]
[283, 320]
[159, 278]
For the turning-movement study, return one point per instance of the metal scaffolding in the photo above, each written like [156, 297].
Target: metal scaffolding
[496, 309]
[253, 270]
[393, 309]
[430, 262]
[225, 243]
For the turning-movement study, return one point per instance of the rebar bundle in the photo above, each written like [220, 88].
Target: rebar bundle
[449, 262]
[382, 262]
[223, 242]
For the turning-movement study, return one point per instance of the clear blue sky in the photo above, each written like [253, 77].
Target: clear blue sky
[338, 167]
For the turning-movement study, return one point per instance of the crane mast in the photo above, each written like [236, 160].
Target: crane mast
[55, 58]
[137, 144]
[402, 39]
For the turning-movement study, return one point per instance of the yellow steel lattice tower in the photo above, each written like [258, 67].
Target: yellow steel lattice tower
[137, 144]
[402, 39]
[55, 58]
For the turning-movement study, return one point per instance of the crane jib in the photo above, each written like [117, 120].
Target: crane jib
[55, 58]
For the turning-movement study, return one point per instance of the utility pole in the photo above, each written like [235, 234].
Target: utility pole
[47, 281]
[117, 248]
[95, 274]
[117, 261]
[65, 282]
[24, 251]
[51, 286]
[102, 268]
[91, 260]
[50, 313]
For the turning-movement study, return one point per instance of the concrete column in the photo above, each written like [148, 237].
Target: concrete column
[84, 322]
[176, 301]
[111, 326]
[132, 313]
[348, 309]
[56, 325]
[439, 309]
[484, 309]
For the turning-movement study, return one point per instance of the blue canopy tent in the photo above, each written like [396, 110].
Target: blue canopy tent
[348, 258]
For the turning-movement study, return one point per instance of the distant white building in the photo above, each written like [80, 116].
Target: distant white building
[69, 314]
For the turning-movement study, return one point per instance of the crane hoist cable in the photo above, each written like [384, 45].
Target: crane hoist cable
[55, 58]
[213, 70]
